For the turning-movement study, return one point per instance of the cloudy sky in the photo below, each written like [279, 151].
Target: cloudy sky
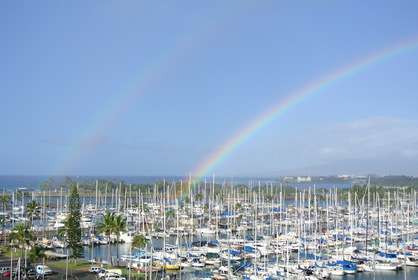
[146, 88]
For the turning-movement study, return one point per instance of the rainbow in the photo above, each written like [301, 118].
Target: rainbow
[141, 85]
[129, 98]
[296, 97]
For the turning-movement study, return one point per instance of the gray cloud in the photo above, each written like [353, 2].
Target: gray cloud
[369, 138]
[379, 145]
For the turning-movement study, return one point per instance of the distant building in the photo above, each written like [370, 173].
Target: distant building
[302, 179]
[344, 177]
[288, 179]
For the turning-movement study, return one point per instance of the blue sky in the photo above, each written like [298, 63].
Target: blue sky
[152, 88]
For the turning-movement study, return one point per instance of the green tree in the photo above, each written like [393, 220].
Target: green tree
[48, 184]
[3, 226]
[5, 200]
[32, 211]
[199, 197]
[119, 226]
[21, 237]
[72, 224]
[20, 194]
[139, 241]
[106, 227]
[36, 253]
[170, 213]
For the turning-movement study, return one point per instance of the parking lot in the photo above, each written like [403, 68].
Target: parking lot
[57, 268]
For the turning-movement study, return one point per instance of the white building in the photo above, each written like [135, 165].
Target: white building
[302, 179]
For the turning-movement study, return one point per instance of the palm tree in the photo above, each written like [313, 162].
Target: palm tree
[199, 197]
[106, 226]
[19, 195]
[21, 236]
[119, 226]
[170, 213]
[36, 253]
[139, 241]
[32, 211]
[4, 200]
[3, 225]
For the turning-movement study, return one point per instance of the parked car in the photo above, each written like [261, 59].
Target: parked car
[96, 269]
[104, 274]
[4, 269]
[43, 270]
[31, 274]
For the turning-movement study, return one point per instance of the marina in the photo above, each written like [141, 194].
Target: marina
[214, 140]
[201, 229]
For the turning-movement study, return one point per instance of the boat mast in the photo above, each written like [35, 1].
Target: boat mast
[367, 212]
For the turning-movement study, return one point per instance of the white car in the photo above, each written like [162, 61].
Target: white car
[107, 274]
[95, 269]
[43, 270]
[4, 269]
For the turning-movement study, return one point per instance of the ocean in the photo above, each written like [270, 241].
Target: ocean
[12, 182]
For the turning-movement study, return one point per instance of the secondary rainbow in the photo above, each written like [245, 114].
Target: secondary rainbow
[283, 105]
[142, 83]
[131, 94]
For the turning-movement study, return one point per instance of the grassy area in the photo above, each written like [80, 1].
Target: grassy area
[7, 251]
[134, 275]
[83, 266]
[79, 265]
